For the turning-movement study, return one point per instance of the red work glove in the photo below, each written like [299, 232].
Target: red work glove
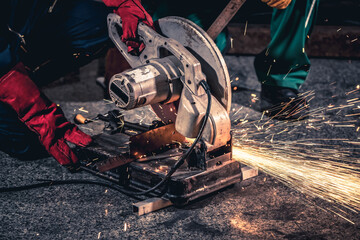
[131, 13]
[41, 116]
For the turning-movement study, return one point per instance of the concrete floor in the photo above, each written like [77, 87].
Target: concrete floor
[259, 208]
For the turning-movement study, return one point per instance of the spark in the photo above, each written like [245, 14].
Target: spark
[352, 100]
[355, 143]
[329, 180]
[354, 40]
[346, 126]
[89, 129]
[246, 24]
[358, 101]
[83, 110]
[326, 168]
[287, 73]
[353, 91]
[254, 98]
[350, 115]
[108, 101]
[267, 52]
[269, 71]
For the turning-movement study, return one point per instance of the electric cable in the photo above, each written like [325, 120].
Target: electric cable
[183, 157]
[179, 163]
[49, 183]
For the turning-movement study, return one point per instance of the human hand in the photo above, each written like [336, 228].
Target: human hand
[41, 116]
[131, 13]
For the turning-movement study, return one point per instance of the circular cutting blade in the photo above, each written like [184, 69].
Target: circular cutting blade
[205, 50]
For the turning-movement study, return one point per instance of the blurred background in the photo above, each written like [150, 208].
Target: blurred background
[335, 36]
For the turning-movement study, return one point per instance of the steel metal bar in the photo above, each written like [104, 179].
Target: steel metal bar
[224, 18]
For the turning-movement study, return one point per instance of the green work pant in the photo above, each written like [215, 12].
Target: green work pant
[284, 62]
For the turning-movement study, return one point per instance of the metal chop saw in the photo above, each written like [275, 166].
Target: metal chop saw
[182, 75]
[167, 75]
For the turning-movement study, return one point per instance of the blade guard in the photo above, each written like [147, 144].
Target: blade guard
[191, 111]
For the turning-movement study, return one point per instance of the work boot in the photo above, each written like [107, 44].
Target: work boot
[283, 103]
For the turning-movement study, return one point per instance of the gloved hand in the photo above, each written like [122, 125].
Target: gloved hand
[131, 13]
[41, 116]
[279, 4]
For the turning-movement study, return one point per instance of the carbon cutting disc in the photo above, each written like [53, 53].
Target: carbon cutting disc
[205, 50]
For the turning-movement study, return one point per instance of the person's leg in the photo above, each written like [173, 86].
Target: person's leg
[72, 36]
[284, 62]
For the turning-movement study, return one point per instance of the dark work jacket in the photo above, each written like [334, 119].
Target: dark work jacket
[17, 17]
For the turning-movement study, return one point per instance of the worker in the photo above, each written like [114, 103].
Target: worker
[283, 66]
[54, 36]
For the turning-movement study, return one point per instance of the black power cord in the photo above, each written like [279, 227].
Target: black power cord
[179, 163]
[183, 157]
[49, 183]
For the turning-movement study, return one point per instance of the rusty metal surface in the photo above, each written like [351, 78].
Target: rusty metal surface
[224, 18]
[186, 184]
[154, 140]
[114, 162]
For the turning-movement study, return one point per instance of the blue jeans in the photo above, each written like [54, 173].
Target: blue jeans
[71, 36]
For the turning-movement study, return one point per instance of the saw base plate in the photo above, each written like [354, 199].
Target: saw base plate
[185, 185]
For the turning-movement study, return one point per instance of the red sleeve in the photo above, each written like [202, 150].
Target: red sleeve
[113, 3]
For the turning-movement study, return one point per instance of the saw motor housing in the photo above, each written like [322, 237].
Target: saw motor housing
[167, 75]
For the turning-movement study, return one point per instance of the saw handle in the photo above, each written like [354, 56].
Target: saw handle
[154, 42]
[114, 22]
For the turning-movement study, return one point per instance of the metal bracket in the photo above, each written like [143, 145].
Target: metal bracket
[154, 42]
[197, 159]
